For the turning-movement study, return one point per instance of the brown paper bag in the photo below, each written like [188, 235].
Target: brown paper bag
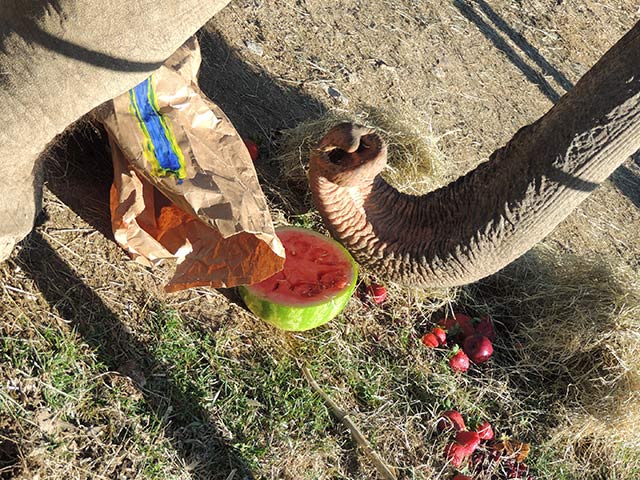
[184, 185]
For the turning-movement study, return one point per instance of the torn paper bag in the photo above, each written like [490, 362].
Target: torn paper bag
[184, 185]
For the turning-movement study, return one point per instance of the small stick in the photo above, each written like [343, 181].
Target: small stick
[383, 469]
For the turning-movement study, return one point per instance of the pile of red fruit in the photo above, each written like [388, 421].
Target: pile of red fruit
[475, 336]
[495, 460]
[466, 441]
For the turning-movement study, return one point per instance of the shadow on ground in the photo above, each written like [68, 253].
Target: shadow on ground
[9, 454]
[179, 409]
[78, 170]
[627, 179]
[256, 104]
[491, 24]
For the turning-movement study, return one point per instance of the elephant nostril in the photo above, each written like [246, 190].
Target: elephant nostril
[337, 156]
[346, 148]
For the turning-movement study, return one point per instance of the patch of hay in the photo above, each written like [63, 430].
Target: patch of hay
[576, 328]
[414, 158]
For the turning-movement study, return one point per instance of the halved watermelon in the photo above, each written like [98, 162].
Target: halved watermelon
[318, 278]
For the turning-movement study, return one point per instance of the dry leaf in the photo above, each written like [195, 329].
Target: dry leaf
[512, 447]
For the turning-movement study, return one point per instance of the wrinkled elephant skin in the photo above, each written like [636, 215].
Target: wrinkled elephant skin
[486, 219]
[61, 58]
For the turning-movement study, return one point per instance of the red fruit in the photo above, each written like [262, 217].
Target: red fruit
[462, 477]
[253, 149]
[429, 340]
[468, 440]
[478, 348]
[485, 432]
[458, 451]
[455, 453]
[377, 293]
[450, 419]
[459, 362]
[485, 327]
[440, 334]
[459, 324]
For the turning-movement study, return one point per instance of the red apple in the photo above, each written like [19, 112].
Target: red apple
[450, 419]
[478, 348]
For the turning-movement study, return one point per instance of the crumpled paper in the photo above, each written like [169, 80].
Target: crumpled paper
[184, 184]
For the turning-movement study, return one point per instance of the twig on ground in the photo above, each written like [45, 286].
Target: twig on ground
[383, 469]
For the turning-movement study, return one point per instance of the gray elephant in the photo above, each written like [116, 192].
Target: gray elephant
[61, 58]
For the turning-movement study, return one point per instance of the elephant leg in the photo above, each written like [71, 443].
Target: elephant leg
[59, 59]
[20, 202]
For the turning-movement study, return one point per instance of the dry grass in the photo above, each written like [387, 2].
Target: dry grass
[415, 163]
[218, 383]
[104, 376]
[200, 380]
[190, 385]
[575, 326]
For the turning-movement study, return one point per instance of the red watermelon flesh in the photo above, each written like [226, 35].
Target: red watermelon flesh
[318, 272]
[309, 271]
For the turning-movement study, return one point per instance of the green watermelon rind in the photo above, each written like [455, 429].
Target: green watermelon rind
[296, 317]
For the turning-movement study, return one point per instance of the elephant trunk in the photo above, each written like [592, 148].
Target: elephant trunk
[489, 217]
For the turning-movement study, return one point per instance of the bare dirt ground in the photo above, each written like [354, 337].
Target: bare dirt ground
[471, 73]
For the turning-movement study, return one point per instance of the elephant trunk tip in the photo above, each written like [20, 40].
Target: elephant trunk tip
[349, 155]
